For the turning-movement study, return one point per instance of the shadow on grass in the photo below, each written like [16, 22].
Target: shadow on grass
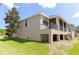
[20, 40]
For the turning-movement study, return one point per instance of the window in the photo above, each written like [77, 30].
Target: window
[45, 22]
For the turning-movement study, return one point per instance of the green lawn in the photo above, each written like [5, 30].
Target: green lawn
[19, 46]
[75, 49]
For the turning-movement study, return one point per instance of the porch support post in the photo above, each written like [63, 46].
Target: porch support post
[57, 23]
[51, 38]
[67, 28]
[63, 37]
[63, 25]
[58, 37]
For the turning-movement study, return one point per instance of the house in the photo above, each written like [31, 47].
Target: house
[42, 27]
[77, 31]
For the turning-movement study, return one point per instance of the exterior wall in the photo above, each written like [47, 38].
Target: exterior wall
[35, 27]
[20, 33]
[45, 29]
[59, 32]
[31, 31]
[42, 27]
[77, 31]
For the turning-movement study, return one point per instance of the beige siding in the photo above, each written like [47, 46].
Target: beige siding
[35, 27]
[41, 22]
[32, 30]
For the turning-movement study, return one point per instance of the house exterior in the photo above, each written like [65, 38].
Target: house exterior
[41, 27]
[77, 31]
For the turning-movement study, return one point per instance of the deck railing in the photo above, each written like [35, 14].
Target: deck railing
[53, 26]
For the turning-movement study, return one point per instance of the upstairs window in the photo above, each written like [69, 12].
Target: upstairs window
[45, 23]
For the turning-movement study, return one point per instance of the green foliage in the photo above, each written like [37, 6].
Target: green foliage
[2, 31]
[78, 31]
[72, 25]
[12, 20]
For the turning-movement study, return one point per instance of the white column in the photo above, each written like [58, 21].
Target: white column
[67, 27]
[63, 37]
[58, 37]
[57, 23]
[51, 38]
[63, 25]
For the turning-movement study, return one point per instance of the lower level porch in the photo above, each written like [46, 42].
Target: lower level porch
[55, 37]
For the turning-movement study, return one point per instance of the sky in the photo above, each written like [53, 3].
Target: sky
[69, 11]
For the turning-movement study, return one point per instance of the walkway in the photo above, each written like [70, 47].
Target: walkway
[60, 48]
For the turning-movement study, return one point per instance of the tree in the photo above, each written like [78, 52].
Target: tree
[2, 31]
[72, 25]
[12, 21]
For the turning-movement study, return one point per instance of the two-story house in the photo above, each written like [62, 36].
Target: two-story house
[77, 31]
[42, 27]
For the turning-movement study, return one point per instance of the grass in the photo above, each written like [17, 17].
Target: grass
[75, 49]
[20, 46]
